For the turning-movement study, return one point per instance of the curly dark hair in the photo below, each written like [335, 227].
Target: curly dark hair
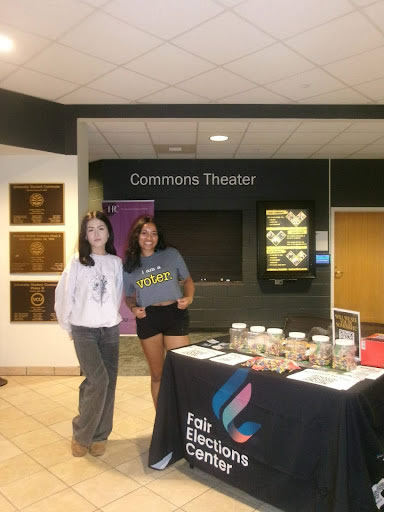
[85, 247]
[133, 252]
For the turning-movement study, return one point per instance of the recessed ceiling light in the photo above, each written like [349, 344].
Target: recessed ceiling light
[6, 44]
[175, 148]
[218, 137]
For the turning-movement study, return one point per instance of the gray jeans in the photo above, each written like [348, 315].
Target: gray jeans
[97, 351]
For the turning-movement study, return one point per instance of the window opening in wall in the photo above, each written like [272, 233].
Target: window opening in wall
[209, 241]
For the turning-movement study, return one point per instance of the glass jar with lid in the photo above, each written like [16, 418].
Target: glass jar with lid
[238, 336]
[296, 346]
[257, 339]
[344, 355]
[274, 344]
[321, 351]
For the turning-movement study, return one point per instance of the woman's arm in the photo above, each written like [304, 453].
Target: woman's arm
[188, 293]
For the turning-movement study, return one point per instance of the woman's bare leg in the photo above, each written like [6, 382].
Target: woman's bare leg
[153, 349]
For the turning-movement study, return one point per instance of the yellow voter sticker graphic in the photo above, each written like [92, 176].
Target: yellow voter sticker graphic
[37, 299]
[37, 248]
[36, 200]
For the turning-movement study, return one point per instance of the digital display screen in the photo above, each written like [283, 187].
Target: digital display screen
[285, 240]
[323, 259]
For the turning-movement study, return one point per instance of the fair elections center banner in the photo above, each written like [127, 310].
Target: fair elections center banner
[123, 214]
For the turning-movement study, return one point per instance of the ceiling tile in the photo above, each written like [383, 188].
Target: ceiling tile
[265, 137]
[364, 125]
[173, 95]
[215, 127]
[216, 84]
[222, 48]
[343, 149]
[358, 69]
[176, 138]
[372, 89]
[6, 69]
[257, 148]
[293, 155]
[285, 18]
[172, 126]
[323, 126]
[37, 84]
[258, 95]
[133, 148]
[234, 137]
[97, 156]
[49, 18]
[253, 155]
[140, 155]
[89, 96]
[100, 148]
[263, 125]
[109, 39]
[298, 148]
[216, 148]
[125, 83]
[120, 126]
[376, 13]
[65, 63]
[95, 138]
[270, 64]
[176, 156]
[306, 84]
[25, 45]
[343, 96]
[127, 138]
[161, 18]
[311, 137]
[214, 155]
[336, 40]
[372, 150]
[355, 138]
[170, 64]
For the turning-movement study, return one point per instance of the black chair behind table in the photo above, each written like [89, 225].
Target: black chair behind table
[310, 325]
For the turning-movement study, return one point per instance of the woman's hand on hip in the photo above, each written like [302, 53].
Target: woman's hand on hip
[139, 312]
[183, 303]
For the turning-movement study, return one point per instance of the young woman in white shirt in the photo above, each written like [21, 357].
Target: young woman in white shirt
[87, 302]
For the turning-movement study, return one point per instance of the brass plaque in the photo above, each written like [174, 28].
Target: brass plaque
[36, 204]
[33, 252]
[32, 301]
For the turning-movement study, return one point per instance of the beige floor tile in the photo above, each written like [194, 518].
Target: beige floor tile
[50, 389]
[43, 404]
[70, 395]
[32, 488]
[56, 415]
[63, 428]
[137, 388]
[141, 499]
[106, 487]
[143, 439]
[6, 404]
[130, 424]
[11, 414]
[52, 454]
[77, 469]
[8, 450]
[64, 501]
[215, 501]
[40, 437]
[19, 426]
[17, 467]
[137, 469]
[135, 404]
[28, 380]
[23, 395]
[73, 382]
[119, 451]
[121, 396]
[149, 415]
[5, 505]
[177, 487]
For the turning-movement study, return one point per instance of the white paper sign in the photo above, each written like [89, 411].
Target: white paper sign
[231, 358]
[324, 378]
[197, 352]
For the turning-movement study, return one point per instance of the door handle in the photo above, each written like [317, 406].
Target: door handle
[337, 273]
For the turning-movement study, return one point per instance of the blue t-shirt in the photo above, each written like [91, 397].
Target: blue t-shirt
[157, 279]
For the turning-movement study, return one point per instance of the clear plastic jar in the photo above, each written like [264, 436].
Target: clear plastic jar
[321, 351]
[344, 355]
[274, 344]
[257, 339]
[296, 346]
[238, 336]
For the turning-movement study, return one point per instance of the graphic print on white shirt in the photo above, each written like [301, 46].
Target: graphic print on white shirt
[99, 290]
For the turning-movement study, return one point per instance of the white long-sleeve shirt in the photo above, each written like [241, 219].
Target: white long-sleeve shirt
[90, 296]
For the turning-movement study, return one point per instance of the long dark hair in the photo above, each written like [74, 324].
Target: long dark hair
[133, 252]
[83, 244]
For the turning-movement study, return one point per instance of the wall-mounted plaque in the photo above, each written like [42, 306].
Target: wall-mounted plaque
[32, 301]
[33, 252]
[36, 204]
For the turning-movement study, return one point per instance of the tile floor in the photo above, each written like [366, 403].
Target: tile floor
[39, 474]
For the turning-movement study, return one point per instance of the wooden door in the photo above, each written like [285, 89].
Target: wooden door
[358, 264]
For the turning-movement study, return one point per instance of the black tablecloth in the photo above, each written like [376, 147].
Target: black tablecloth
[298, 446]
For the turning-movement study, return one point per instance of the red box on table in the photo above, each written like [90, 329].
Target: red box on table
[372, 351]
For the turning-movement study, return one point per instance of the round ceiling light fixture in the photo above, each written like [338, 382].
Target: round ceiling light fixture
[6, 44]
[218, 138]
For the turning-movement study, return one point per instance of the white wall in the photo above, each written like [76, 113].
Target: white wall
[35, 344]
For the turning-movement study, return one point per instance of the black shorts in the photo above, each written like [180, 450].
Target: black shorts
[163, 319]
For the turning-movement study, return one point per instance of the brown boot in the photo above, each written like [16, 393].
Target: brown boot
[97, 448]
[78, 450]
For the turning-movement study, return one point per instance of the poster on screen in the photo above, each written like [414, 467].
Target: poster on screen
[346, 325]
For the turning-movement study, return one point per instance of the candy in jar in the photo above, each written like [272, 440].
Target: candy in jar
[321, 351]
[296, 347]
[238, 336]
[274, 346]
[344, 355]
[257, 339]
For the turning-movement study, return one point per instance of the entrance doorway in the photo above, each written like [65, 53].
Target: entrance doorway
[358, 262]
